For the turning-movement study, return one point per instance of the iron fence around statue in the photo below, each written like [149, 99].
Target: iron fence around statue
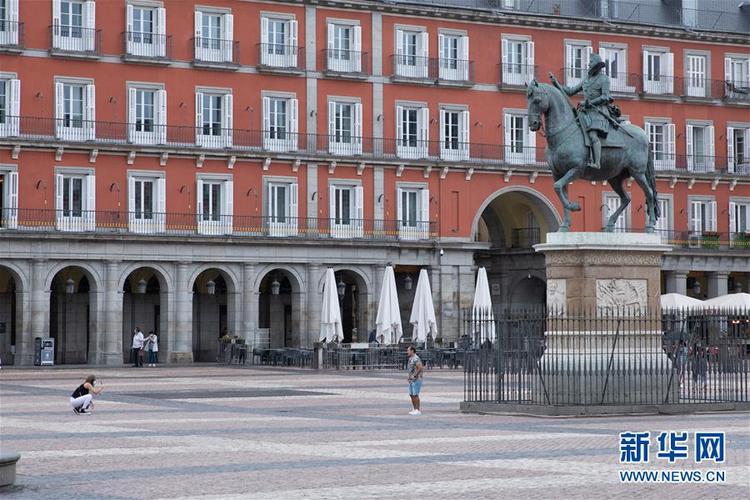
[607, 357]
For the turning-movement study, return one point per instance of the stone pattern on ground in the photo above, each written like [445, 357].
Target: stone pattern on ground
[292, 434]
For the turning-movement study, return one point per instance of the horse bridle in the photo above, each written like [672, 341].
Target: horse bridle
[562, 128]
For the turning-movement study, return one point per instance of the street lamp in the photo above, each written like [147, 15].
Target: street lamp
[275, 287]
[141, 287]
[696, 288]
[211, 287]
[341, 286]
[70, 286]
[407, 282]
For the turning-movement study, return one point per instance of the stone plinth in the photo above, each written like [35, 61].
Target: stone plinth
[8, 459]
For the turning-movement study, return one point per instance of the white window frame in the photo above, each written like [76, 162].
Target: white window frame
[63, 35]
[87, 220]
[271, 141]
[668, 158]
[419, 228]
[517, 72]
[225, 136]
[452, 68]
[736, 227]
[665, 223]
[11, 121]
[611, 201]
[354, 227]
[461, 141]
[620, 82]
[158, 134]
[211, 49]
[341, 147]
[272, 53]
[288, 224]
[404, 149]
[224, 224]
[738, 163]
[344, 60]
[87, 131]
[661, 81]
[9, 35]
[702, 220]
[141, 224]
[527, 154]
[574, 74]
[705, 162]
[734, 63]
[9, 212]
[420, 57]
[141, 43]
[697, 76]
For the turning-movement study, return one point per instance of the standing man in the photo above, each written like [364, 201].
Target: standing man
[137, 347]
[414, 367]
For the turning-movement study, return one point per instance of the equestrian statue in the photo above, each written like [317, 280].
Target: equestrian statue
[590, 142]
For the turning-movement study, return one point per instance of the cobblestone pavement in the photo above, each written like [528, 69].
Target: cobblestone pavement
[225, 432]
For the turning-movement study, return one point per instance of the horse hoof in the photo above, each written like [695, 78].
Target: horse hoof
[575, 207]
[563, 229]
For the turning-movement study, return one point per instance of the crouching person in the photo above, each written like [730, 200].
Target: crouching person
[82, 398]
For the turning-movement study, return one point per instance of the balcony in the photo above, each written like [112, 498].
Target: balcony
[706, 240]
[148, 48]
[189, 224]
[278, 58]
[516, 75]
[454, 72]
[346, 63]
[11, 36]
[215, 53]
[411, 69]
[736, 92]
[429, 71]
[74, 41]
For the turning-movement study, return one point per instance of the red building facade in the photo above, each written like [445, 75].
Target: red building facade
[193, 168]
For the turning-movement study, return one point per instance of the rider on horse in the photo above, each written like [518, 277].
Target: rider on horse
[593, 112]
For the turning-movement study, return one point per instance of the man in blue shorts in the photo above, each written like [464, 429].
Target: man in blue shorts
[414, 367]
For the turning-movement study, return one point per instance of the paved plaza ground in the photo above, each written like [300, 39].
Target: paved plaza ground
[220, 432]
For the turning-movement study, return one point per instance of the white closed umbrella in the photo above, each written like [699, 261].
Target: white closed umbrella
[423, 310]
[482, 318]
[671, 301]
[728, 302]
[388, 319]
[330, 316]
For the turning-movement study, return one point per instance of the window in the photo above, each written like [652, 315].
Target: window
[616, 60]
[689, 12]
[612, 202]
[76, 201]
[739, 220]
[695, 76]
[454, 134]
[346, 210]
[147, 115]
[412, 53]
[518, 61]
[664, 222]
[147, 32]
[279, 42]
[658, 72]
[737, 76]
[8, 197]
[344, 48]
[282, 208]
[413, 212]
[702, 216]
[345, 128]
[10, 106]
[75, 111]
[215, 204]
[146, 203]
[73, 25]
[454, 57]
[700, 147]
[662, 140]
[280, 123]
[738, 149]
[608, 8]
[576, 62]
[9, 22]
[412, 131]
[213, 119]
[520, 143]
[214, 37]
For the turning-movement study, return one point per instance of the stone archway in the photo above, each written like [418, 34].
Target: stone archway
[530, 292]
[145, 302]
[73, 309]
[279, 310]
[11, 315]
[214, 312]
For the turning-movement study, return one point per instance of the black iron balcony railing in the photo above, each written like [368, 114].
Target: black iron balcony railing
[75, 39]
[142, 45]
[276, 55]
[702, 240]
[215, 51]
[11, 34]
[186, 224]
[346, 61]
[516, 75]
[436, 68]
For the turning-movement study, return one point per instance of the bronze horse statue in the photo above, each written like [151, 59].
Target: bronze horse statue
[567, 154]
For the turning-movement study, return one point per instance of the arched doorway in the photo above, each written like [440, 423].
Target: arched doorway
[279, 310]
[353, 300]
[144, 305]
[10, 315]
[512, 221]
[72, 300]
[213, 312]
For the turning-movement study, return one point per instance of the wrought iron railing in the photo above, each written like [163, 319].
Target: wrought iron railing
[432, 68]
[517, 75]
[276, 55]
[75, 39]
[346, 61]
[215, 51]
[11, 34]
[147, 45]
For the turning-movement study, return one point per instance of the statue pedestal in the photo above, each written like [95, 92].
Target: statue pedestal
[603, 339]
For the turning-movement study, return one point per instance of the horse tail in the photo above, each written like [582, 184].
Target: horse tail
[651, 177]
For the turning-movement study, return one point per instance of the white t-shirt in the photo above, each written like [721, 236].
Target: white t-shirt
[138, 340]
[154, 343]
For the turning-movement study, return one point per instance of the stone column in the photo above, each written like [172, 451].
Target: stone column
[109, 348]
[182, 351]
[249, 305]
[24, 340]
[39, 304]
[676, 282]
[314, 304]
[718, 283]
